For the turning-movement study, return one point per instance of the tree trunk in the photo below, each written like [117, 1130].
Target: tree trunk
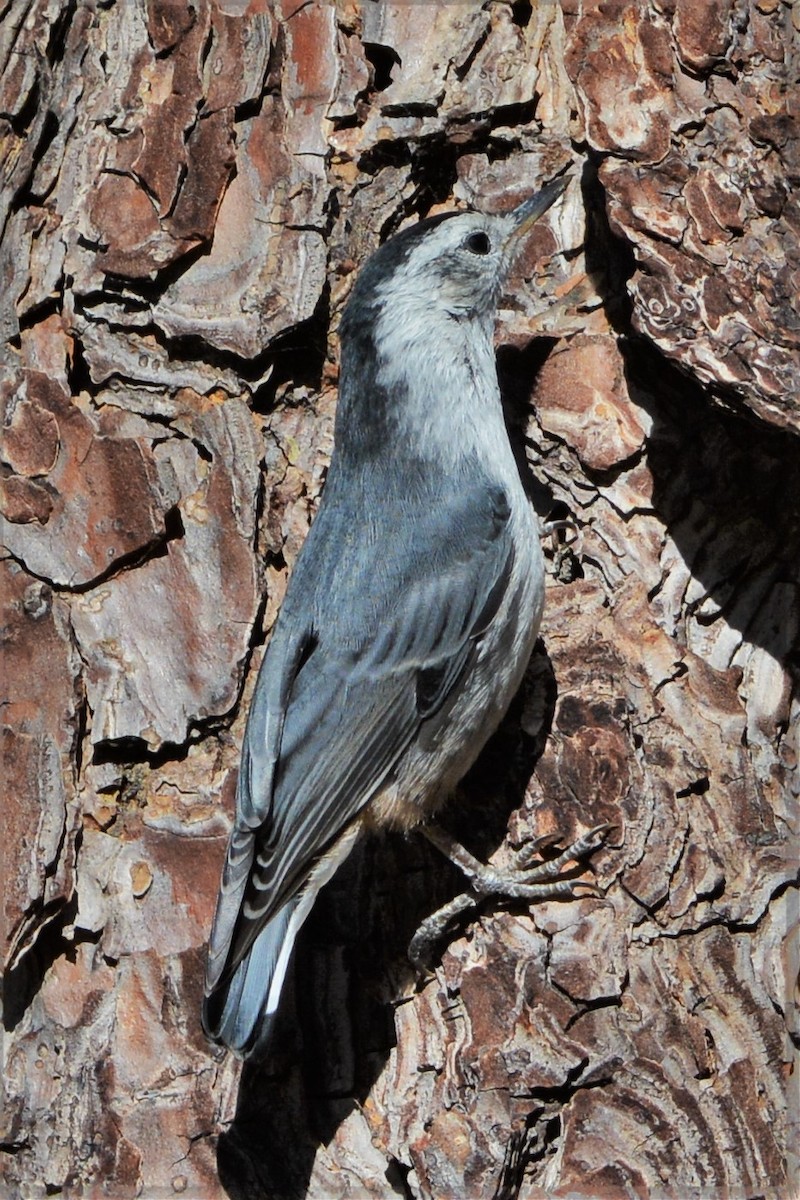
[189, 188]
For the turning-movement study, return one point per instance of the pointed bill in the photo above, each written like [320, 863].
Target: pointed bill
[536, 206]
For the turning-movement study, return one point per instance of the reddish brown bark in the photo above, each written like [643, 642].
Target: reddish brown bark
[188, 189]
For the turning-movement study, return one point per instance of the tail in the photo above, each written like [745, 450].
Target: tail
[239, 1005]
[240, 1010]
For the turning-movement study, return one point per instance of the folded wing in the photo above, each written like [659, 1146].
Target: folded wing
[365, 653]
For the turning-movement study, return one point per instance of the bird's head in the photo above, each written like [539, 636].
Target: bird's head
[451, 264]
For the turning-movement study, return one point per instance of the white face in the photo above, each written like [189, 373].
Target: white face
[458, 266]
[446, 266]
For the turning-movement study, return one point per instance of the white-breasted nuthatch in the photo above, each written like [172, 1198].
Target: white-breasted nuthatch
[410, 615]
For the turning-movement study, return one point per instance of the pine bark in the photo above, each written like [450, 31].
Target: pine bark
[188, 190]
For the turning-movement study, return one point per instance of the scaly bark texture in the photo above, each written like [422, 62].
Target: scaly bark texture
[188, 189]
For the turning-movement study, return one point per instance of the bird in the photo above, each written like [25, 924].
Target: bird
[410, 614]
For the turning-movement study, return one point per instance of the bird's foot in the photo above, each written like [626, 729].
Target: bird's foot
[544, 881]
[421, 948]
[550, 870]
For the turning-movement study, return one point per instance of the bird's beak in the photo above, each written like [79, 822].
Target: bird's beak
[523, 217]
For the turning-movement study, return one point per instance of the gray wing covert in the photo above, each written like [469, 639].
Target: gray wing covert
[336, 709]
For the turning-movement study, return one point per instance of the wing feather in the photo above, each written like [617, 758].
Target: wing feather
[364, 652]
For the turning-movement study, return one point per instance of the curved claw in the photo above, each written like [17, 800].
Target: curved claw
[580, 848]
[505, 886]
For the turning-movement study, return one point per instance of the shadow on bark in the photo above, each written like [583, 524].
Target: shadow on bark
[726, 487]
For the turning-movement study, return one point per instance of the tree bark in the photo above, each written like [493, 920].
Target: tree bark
[188, 191]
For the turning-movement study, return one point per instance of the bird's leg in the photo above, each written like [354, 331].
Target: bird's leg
[541, 882]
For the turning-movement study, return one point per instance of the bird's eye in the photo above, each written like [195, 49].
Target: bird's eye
[478, 243]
